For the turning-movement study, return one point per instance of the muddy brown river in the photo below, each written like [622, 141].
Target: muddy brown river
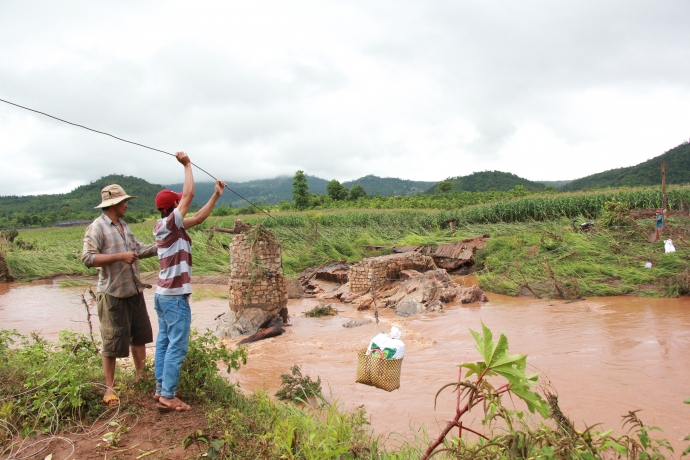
[604, 356]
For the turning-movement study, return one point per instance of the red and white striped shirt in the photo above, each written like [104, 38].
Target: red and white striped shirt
[174, 254]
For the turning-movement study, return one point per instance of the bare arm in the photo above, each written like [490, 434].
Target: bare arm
[102, 260]
[204, 212]
[188, 188]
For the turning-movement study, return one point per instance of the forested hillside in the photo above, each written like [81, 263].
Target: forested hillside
[648, 173]
[22, 211]
[487, 181]
[273, 191]
[386, 186]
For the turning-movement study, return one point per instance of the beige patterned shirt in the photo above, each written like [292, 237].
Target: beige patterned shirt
[119, 279]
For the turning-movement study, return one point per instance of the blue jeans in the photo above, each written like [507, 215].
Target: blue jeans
[174, 321]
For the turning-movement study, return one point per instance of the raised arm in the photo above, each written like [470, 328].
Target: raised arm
[188, 188]
[204, 212]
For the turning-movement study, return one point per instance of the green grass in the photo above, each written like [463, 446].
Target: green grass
[602, 262]
[56, 388]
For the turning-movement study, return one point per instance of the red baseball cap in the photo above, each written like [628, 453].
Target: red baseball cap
[166, 199]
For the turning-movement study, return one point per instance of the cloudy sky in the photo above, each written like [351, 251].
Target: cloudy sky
[420, 90]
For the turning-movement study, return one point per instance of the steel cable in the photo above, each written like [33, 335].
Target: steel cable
[156, 150]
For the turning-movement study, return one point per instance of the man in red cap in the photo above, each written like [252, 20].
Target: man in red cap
[172, 294]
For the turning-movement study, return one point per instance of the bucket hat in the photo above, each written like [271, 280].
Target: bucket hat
[112, 195]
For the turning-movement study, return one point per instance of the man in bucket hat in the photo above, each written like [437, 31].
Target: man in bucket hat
[172, 294]
[110, 245]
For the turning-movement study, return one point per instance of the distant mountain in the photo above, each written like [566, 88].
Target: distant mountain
[82, 199]
[488, 180]
[648, 173]
[272, 191]
[387, 186]
[554, 183]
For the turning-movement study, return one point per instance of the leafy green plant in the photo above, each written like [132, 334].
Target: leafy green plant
[209, 446]
[497, 362]
[616, 214]
[199, 376]
[298, 388]
[645, 446]
[687, 438]
[322, 309]
[49, 385]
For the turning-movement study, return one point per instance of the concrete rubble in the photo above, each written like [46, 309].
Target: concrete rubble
[410, 282]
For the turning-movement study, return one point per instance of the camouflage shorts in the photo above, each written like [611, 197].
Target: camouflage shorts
[124, 322]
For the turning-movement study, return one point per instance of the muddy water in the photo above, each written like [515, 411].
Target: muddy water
[604, 356]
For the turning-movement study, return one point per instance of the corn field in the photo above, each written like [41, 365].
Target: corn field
[537, 208]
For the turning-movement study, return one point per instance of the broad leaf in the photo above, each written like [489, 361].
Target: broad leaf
[498, 361]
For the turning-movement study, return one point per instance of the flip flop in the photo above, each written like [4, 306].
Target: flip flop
[111, 400]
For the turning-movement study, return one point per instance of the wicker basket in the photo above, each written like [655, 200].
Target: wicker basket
[377, 372]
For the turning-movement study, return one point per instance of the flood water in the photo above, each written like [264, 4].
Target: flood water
[604, 356]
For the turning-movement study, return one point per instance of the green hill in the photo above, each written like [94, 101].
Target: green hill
[386, 186]
[33, 210]
[486, 181]
[272, 191]
[648, 173]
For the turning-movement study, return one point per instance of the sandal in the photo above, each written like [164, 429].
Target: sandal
[157, 396]
[111, 400]
[175, 406]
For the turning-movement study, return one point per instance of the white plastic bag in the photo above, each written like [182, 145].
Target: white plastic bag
[387, 346]
[668, 246]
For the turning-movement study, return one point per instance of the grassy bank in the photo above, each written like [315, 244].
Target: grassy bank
[530, 252]
[551, 260]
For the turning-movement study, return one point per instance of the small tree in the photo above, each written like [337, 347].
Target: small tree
[300, 190]
[519, 190]
[445, 186]
[356, 192]
[336, 191]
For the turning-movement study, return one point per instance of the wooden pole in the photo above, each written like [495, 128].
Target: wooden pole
[663, 186]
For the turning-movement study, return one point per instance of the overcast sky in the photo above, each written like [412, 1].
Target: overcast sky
[419, 90]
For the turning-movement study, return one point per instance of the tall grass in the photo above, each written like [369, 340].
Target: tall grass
[597, 263]
[589, 265]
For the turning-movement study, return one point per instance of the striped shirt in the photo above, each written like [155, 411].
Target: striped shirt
[118, 279]
[174, 254]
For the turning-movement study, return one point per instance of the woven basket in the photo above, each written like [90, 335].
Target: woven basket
[377, 372]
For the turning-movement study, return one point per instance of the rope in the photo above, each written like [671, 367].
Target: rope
[156, 150]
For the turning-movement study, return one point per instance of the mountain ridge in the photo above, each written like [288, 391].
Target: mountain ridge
[646, 173]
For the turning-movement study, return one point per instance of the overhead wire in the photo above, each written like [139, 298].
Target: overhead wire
[156, 150]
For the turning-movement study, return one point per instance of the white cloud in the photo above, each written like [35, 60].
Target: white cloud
[339, 89]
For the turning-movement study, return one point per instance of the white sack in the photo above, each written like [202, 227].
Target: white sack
[387, 346]
[668, 246]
